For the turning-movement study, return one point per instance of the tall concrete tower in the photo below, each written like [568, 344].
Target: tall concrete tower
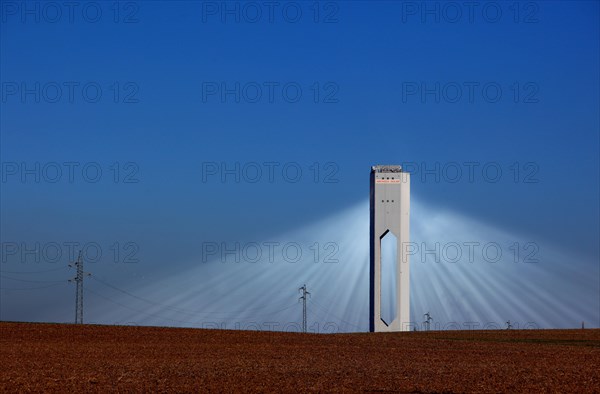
[389, 302]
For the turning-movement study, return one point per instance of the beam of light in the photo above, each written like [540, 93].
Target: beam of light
[531, 283]
[558, 291]
[263, 294]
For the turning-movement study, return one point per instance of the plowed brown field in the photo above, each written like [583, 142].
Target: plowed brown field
[70, 358]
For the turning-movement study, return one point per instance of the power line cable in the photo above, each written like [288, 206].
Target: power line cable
[29, 288]
[159, 316]
[281, 310]
[188, 312]
[329, 313]
[176, 309]
[32, 281]
[33, 272]
[318, 318]
[87, 289]
[324, 321]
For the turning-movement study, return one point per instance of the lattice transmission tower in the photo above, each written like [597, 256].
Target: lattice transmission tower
[78, 279]
[302, 298]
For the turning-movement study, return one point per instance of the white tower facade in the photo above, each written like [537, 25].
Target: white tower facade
[389, 302]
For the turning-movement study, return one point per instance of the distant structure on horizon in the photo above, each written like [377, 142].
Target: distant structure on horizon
[389, 303]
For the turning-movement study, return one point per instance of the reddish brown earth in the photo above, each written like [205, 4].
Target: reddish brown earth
[62, 357]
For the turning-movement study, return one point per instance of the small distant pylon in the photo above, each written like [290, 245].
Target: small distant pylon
[427, 322]
[305, 293]
[78, 279]
[508, 325]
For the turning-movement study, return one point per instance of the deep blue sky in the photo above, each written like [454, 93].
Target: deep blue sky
[366, 58]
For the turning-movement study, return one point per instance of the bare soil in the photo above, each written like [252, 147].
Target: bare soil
[92, 358]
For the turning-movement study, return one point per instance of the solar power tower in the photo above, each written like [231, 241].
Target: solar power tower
[389, 304]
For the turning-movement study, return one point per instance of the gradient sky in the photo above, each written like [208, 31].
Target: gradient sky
[161, 123]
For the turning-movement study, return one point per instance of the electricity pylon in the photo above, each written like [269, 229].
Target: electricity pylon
[427, 321]
[303, 298]
[78, 279]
